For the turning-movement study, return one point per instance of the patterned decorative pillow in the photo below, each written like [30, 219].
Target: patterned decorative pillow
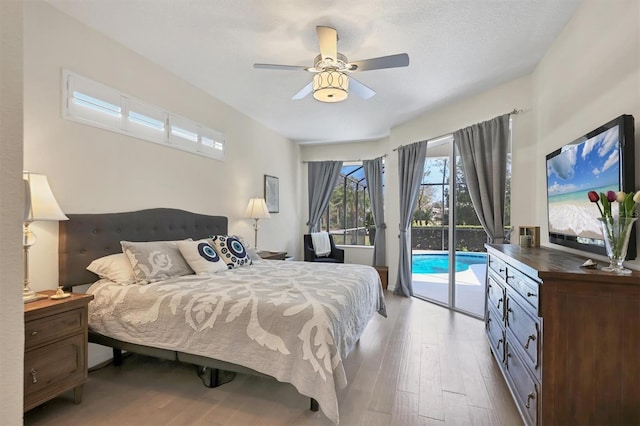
[115, 267]
[155, 260]
[231, 250]
[202, 257]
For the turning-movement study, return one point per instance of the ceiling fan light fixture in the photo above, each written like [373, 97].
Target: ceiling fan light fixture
[330, 86]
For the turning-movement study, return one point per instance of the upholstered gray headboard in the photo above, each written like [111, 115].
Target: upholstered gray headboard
[85, 237]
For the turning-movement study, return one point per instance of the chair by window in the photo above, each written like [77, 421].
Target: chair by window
[336, 256]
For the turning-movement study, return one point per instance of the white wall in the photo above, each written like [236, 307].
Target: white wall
[11, 211]
[589, 76]
[93, 170]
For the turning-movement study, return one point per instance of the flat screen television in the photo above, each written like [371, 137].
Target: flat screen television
[601, 161]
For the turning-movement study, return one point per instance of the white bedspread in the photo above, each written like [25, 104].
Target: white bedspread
[295, 321]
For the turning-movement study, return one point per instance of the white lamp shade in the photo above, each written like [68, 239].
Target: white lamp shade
[257, 209]
[330, 86]
[40, 204]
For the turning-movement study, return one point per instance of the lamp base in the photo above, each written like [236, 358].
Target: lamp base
[29, 295]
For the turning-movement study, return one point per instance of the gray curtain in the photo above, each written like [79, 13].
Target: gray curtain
[483, 148]
[373, 174]
[322, 178]
[410, 172]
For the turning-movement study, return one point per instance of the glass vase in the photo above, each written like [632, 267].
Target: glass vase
[616, 232]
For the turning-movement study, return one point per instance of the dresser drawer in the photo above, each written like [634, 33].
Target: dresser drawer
[43, 330]
[524, 286]
[496, 334]
[523, 385]
[497, 266]
[54, 368]
[495, 296]
[526, 334]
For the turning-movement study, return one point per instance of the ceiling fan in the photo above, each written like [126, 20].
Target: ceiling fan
[332, 79]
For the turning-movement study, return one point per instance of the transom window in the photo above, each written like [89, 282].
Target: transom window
[92, 103]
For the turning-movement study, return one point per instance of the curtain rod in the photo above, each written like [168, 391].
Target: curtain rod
[344, 161]
[514, 112]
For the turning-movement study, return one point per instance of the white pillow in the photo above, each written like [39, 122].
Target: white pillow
[202, 257]
[115, 267]
[155, 260]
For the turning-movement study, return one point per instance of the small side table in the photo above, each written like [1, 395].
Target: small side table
[273, 255]
[55, 348]
[383, 271]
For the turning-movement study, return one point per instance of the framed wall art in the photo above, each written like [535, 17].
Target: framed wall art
[272, 193]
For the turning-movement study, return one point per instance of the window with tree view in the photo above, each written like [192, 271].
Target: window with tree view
[348, 217]
[432, 207]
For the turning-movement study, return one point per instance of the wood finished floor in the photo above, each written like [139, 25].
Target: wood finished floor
[423, 365]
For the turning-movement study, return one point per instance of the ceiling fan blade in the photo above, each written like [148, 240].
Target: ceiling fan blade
[365, 92]
[281, 67]
[303, 92]
[392, 61]
[328, 39]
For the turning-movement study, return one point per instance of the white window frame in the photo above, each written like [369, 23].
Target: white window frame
[115, 116]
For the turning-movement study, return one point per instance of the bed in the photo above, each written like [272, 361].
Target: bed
[294, 321]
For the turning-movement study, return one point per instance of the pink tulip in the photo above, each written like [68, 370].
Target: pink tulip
[611, 196]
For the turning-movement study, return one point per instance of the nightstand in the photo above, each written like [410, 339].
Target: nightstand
[273, 255]
[55, 348]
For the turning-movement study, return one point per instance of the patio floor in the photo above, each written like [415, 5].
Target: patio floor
[470, 288]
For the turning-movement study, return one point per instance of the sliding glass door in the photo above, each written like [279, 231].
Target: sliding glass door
[447, 238]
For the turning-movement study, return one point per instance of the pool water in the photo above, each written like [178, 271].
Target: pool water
[438, 263]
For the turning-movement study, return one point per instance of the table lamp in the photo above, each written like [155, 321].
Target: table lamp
[41, 205]
[256, 210]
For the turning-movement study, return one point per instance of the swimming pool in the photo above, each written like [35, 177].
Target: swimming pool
[438, 263]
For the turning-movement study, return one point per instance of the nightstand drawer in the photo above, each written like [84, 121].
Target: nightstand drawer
[54, 368]
[50, 328]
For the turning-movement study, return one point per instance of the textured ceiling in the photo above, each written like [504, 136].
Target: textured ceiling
[456, 48]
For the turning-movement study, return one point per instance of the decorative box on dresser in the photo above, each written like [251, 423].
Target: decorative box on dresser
[566, 338]
[55, 344]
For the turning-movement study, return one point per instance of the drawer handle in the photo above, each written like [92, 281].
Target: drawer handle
[499, 342]
[530, 339]
[34, 374]
[529, 398]
[499, 302]
[529, 294]
[33, 333]
[501, 270]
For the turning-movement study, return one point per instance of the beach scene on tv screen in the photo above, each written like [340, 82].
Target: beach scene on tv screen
[593, 165]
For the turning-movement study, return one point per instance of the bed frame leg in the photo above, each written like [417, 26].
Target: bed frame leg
[314, 405]
[213, 377]
[117, 357]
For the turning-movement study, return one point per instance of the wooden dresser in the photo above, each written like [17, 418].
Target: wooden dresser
[567, 339]
[55, 344]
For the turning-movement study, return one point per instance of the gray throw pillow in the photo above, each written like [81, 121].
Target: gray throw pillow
[155, 260]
